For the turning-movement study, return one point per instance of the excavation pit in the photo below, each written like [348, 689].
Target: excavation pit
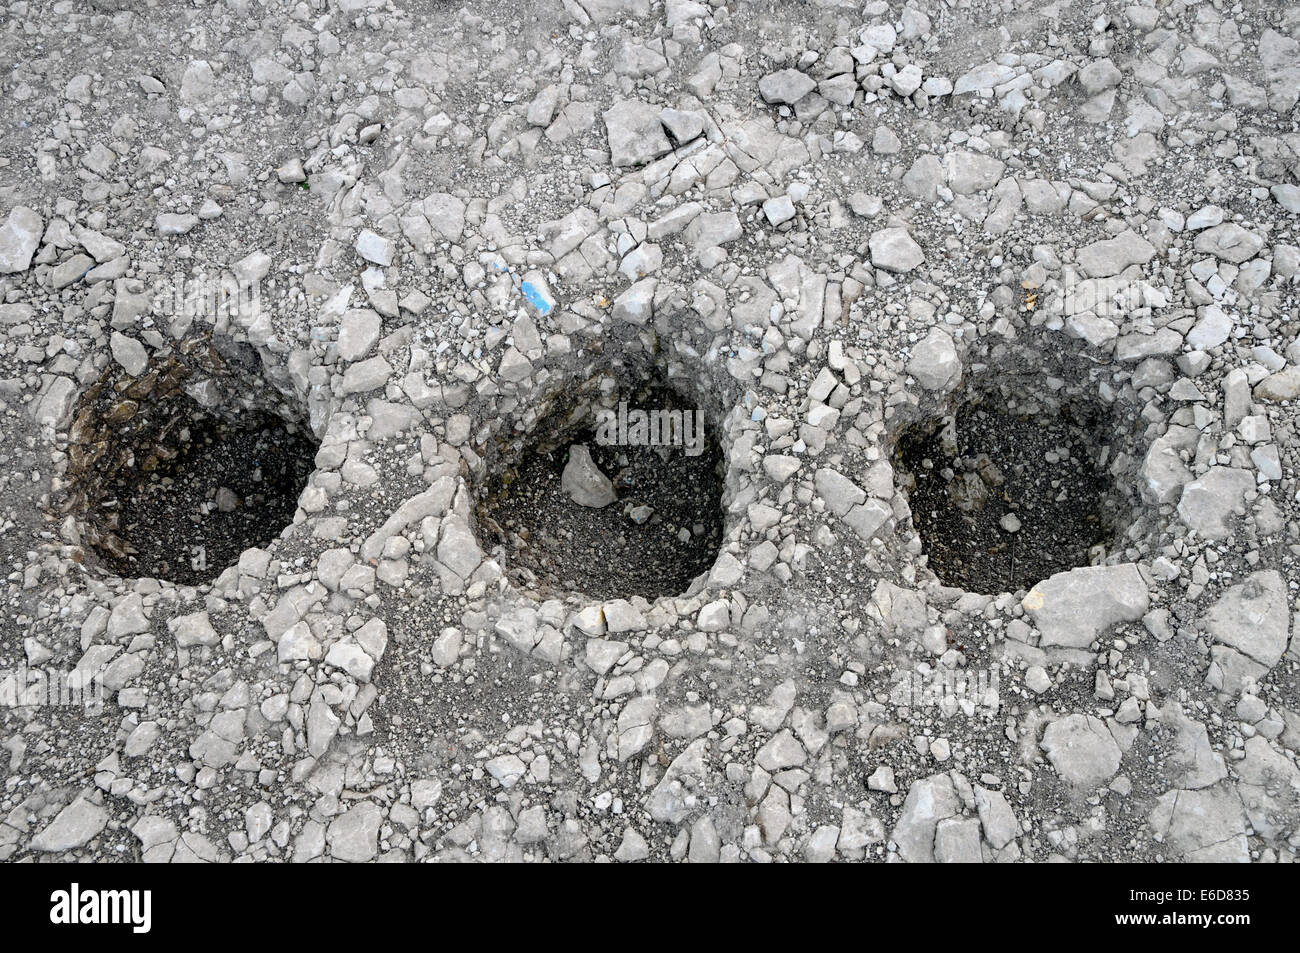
[1015, 482]
[652, 518]
[176, 472]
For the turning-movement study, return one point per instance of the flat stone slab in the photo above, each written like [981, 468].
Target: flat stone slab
[1072, 609]
[1252, 617]
[1209, 502]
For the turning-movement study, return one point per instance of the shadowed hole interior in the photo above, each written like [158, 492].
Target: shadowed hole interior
[663, 529]
[174, 473]
[1013, 485]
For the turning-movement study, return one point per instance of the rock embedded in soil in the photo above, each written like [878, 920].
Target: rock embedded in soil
[583, 481]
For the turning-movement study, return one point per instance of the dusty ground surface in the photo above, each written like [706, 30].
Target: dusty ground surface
[831, 224]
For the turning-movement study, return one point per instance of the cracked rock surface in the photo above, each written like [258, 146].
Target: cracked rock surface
[394, 242]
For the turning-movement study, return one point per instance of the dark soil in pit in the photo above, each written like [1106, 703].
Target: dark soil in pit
[231, 485]
[1003, 501]
[554, 545]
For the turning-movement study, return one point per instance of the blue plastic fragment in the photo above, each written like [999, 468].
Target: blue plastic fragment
[535, 297]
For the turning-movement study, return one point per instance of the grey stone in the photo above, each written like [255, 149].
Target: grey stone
[672, 801]
[169, 224]
[1164, 472]
[73, 827]
[1284, 385]
[507, 769]
[366, 376]
[446, 647]
[1205, 217]
[1082, 750]
[635, 726]
[128, 617]
[197, 81]
[1229, 242]
[359, 330]
[779, 210]
[515, 367]
[1205, 826]
[1110, 256]
[957, 841]
[375, 248]
[611, 11]
[348, 655]
[1209, 502]
[583, 481]
[1099, 75]
[353, 836]
[922, 180]
[1212, 329]
[907, 80]
[868, 519]
[711, 229]
[1192, 762]
[322, 726]
[603, 654]
[20, 236]
[53, 405]
[292, 172]
[785, 86]
[193, 629]
[840, 493]
[1139, 347]
[781, 751]
[894, 250]
[1269, 786]
[636, 304]
[71, 271]
[129, 353]
[682, 126]
[1287, 196]
[929, 801]
[621, 616]
[458, 550]
[636, 136]
[633, 847]
[445, 214]
[986, 76]
[297, 644]
[935, 363]
[969, 172]
[996, 817]
[1252, 617]
[1073, 608]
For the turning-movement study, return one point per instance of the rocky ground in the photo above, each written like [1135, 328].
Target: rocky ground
[948, 280]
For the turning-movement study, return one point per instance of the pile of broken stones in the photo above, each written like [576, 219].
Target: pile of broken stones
[830, 223]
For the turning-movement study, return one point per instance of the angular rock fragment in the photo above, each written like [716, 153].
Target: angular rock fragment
[1209, 502]
[894, 250]
[19, 238]
[1229, 242]
[1082, 750]
[1074, 608]
[73, 827]
[583, 481]
[1110, 256]
[786, 86]
[935, 363]
[1252, 617]
[636, 135]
